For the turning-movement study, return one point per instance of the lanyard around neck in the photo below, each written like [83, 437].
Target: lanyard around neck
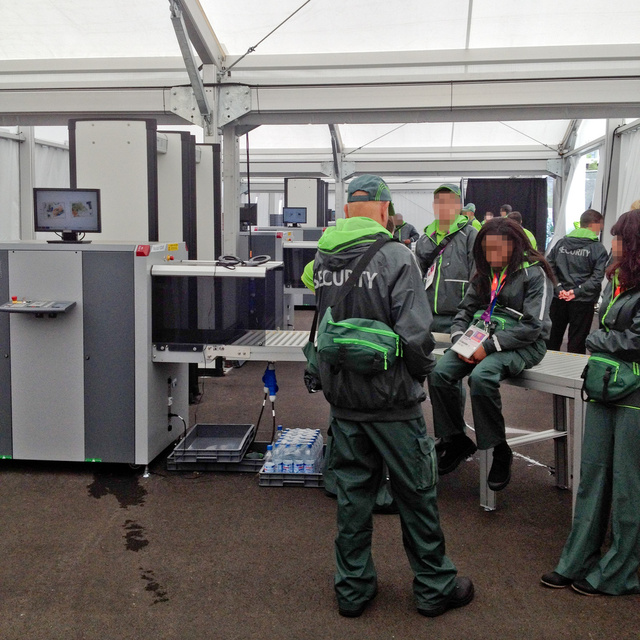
[616, 290]
[496, 286]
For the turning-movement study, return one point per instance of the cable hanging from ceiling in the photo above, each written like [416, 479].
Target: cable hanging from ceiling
[255, 46]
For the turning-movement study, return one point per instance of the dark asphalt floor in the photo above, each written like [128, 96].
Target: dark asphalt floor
[97, 551]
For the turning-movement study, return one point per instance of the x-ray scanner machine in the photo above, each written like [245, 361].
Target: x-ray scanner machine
[77, 378]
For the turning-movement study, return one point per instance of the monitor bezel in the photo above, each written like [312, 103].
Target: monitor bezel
[68, 190]
[285, 221]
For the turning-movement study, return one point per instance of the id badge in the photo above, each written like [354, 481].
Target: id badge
[428, 279]
[469, 342]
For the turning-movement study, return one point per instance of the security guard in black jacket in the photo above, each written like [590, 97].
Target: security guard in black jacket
[578, 261]
[376, 418]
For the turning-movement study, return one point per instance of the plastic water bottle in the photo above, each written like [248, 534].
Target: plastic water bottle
[287, 459]
[277, 457]
[299, 459]
[309, 460]
[269, 464]
[278, 433]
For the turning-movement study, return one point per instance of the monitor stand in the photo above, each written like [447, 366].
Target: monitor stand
[69, 237]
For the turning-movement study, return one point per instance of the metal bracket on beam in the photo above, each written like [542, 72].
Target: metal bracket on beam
[233, 103]
[348, 169]
[182, 101]
[555, 167]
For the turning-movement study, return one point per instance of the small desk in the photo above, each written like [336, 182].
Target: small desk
[559, 374]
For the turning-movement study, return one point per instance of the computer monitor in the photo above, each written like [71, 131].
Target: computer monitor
[249, 215]
[294, 215]
[67, 212]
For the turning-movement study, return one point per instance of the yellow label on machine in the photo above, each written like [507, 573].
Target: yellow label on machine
[172, 247]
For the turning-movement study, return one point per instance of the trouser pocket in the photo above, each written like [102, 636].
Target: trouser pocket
[426, 464]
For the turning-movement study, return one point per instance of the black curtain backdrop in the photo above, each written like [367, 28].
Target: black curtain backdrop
[526, 195]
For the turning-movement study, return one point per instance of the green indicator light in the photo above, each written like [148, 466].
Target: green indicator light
[6, 457]
[93, 459]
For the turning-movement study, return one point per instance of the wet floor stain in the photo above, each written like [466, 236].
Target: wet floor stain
[125, 488]
[135, 536]
[153, 586]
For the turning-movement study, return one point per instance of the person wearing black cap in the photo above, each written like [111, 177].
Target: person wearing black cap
[445, 256]
[378, 418]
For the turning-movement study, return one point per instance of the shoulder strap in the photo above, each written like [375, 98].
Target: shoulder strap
[351, 280]
[430, 257]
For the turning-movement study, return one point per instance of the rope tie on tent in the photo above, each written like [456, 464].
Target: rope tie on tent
[255, 46]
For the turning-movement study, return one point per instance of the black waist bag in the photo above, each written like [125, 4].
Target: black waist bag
[607, 379]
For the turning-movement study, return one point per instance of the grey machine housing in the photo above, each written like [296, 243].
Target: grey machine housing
[80, 384]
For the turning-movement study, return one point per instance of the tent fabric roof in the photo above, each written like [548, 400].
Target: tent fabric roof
[53, 31]
[45, 29]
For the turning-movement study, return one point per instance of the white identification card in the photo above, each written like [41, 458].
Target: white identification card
[469, 342]
[428, 279]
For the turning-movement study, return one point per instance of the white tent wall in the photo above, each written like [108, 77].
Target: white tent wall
[629, 176]
[9, 190]
[52, 166]
[416, 206]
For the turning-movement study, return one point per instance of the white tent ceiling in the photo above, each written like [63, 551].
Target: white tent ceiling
[462, 78]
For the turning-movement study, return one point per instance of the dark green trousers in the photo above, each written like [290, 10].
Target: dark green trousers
[484, 387]
[356, 459]
[384, 498]
[609, 486]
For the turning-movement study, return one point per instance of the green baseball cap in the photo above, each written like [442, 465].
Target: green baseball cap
[375, 187]
[469, 207]
[453, 188]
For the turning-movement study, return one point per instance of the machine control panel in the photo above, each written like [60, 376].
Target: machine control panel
[36, 306]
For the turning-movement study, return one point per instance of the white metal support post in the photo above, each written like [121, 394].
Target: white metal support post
[231, 189]
[610, 156]
[26, 155]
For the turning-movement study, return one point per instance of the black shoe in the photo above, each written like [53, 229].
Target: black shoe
[358, 611]
[459, 597]
[454, 453]
[555, 580]
[500, 473]
[585, 589]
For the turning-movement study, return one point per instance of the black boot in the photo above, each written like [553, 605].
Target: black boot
[500, 473]
[455, 451]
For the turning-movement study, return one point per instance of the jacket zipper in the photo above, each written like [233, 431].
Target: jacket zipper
[365, 343]
[382, 332]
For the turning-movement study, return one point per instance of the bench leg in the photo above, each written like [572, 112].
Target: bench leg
[487, 497]
[561, 445]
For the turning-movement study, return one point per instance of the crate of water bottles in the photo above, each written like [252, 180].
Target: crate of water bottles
[294, 459]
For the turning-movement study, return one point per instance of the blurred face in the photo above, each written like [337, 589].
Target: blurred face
[616, 248]
[446, 207]
[498, 250]
[398, 220]
[488, 215]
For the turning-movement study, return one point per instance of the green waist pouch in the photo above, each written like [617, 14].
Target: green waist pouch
[360, 345]
[498, 321]
[607, 379]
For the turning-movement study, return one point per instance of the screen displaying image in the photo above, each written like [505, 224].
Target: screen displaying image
[294, 215]
[67, 210]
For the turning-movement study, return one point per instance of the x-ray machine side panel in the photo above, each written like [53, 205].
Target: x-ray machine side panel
[109, 364]
[6, 448]
[47, 385]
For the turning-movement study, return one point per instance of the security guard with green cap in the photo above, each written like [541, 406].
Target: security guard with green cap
[469, 210]
[378, 418]
[445, 256]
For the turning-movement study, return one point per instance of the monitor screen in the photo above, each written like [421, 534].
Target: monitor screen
[294, 215]
[75, 210]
